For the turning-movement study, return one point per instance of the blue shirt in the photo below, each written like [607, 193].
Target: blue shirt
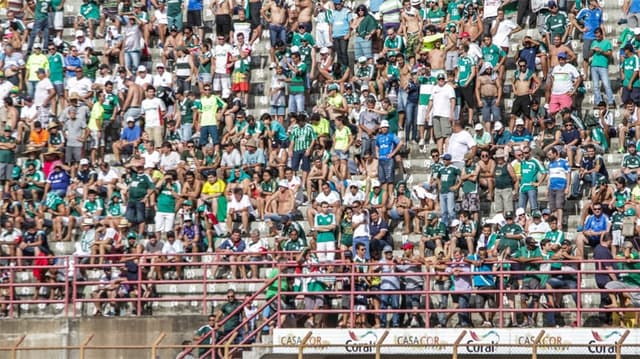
[558, 170]
[341, 20]
[386, 144]
[374, 5]
[279, 131]
[634, 7]
[72, 61]
[596, 224]
[131, 133]
[502, 139]
[523, 136]
[194, 5]
[592, 20]
[59, 181]
[482, 280]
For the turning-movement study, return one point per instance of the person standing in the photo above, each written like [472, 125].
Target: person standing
[564, 83]
[387, 145]
[559, 183]
[154, 111]
[591, 19]
[630, 71]
[448, 182]
[442, 104]
[40, 25]
[465, 76]
[531, 169]
[341, 20]
[211, 109]
[301, 140]
[600, 53]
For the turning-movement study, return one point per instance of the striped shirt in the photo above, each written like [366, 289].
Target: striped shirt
[302, 137]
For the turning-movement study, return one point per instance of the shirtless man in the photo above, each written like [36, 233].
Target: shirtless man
[437, 59]
[557, 47]
[525, 85]
[255, 17]
[171, 41]
[405, 73]
[305, 13]
[135, 95]
[275, 12]
[222, 9]
[410, 26]
[472, 24]
[487, 166]
[278, 204]
[317, 176]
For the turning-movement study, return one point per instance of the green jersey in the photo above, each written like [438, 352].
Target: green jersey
[110, 103]
[454, 11]
[630, 65]
[556, 237]
[41, 11]
[53, 201]
[186, 110]
[631, 278]
[302, 137]
[448, 176]
[90, 11]
[426, 89]
[631, 161]
[465, 69]
[138, 187]
[296, 85]
[37, 176]
[492, 54]
[115, 209]
[470, 185]
[439, 229]
[95, 207]
[325, 220]
[556, 24]
[7, 156]
[530, 169]
[174, 7]
[56, 68]
[166, 199]
[435, 16]
[513, 244]
[397, 42]
[525, 252]
[617, 218]
[598, 59]
[55, 5]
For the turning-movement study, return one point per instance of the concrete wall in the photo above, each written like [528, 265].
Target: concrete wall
[108, 331]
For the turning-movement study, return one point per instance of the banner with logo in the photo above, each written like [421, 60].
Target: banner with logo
[596, 341]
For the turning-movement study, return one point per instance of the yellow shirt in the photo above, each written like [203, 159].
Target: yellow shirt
[322, 128]
[34, 63]
[213, 188]
[97, 113]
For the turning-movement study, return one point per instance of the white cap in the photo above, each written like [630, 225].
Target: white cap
[362, 59]
[636, 30]
[141, 68]
[384, 123]
[130, 119]
[520, 211]
[519, 121]
[79, 33]
[454, 223]
[324, 50]
[283, 183]
[84, 161]
[159, 64]
[497, 126]
[478, 127]
[37, 45]
[295, 49]
[375, 183]
[497, 219]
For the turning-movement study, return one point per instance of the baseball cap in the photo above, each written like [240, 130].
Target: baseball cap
[441, 77]
[508, 215]
[384, 123]
[478, 127]
[454, 223]
[8, 128]
[159, 64]
[432, 216]
[362, 59]
[446, 157]
[464, 34]
[562, 55]
[141, 68]
[295, 49]
[519, 122]
[497, 126]
[79, 33]
[620, 203]
[84, 161]
[520, 211]
[546, 211]
[130, 119]
[324, 50]
[552, 4]
[387, 249]
[536, 213]
[407, 245]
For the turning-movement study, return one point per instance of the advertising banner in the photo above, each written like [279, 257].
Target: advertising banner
[596, 341]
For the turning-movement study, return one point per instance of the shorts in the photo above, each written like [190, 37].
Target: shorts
[635, 296]
[58, 20]
[204, 78]
[521, 106]
[59, 87]
[194, 18]
[254, 14]
[300, 160]
[313, 302]
[559, 102]
[531, 283]
[342, 155]
[222, 83]
[556, 199]
[277, 110]
[164, 221]
[6, 171]
[386, 170]
[450, 61]
[223, 25]
[97, 140]
[441, 127]
[468, 97]
[421, 119]
[503, 200]
[240, 87]
[110, 14]
[617, 237]
[471, 202]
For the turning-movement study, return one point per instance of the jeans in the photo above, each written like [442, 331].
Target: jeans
[205, 132]
[410, 122]
[530, 196]
[296, 102]
[132, 60]
[601, 74]
[448, 204]
[393, 301]
[559, 283]
[589, 179]
[136, 212]
[490, 108]
[443, 301]
[463, 302]
[340, 45]
[39, 25]
[31, 87]
[362, 48]
[368, 146]
[186, 131]
[277, 32]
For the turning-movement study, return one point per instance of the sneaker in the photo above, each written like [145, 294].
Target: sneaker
[487, 324]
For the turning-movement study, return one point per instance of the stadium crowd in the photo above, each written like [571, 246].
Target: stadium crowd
[324, 168]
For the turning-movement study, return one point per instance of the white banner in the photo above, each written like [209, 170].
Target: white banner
[439, 341]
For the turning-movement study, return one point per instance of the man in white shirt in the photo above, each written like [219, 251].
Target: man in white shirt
[151, 156]
[459, 144]
[168, 158]
[162, 78]
[44, 90]
[325, 195]
[231, 157]
[143, 78]
[502, 30]
[442, 109]
[170, 248]
[80, 85]
[81, 43]
[239, 209]
[154, 110]
[221, 79]
[352, 194]
[564, 83]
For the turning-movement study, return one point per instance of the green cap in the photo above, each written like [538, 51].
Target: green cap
[630, 212]
[536, 213]
[202, 208]
[391, 53]
[508, 214]
[432, 215]
[187, 203]
[620, 203]
[8, 128]
[116, 195]
[307, 37]
[132, 235]
[333, 87]
[451, 25]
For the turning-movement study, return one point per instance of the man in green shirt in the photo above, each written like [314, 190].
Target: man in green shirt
[434, 234]
[627, 281]
[493, 55]
[174, 14]
[298, 71]
[56, 75]
[141, 189]
[184, 115]
[40, 24]
[203, 335]
[630, 75]
[211, 110]
[556, 23]
[510, 235]
[226, 312]
[527, 256]
[448, 182]
[530, 170]
[7, 157]
[465, 75]
[600, 53]
[301, 140]
[168, 193]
